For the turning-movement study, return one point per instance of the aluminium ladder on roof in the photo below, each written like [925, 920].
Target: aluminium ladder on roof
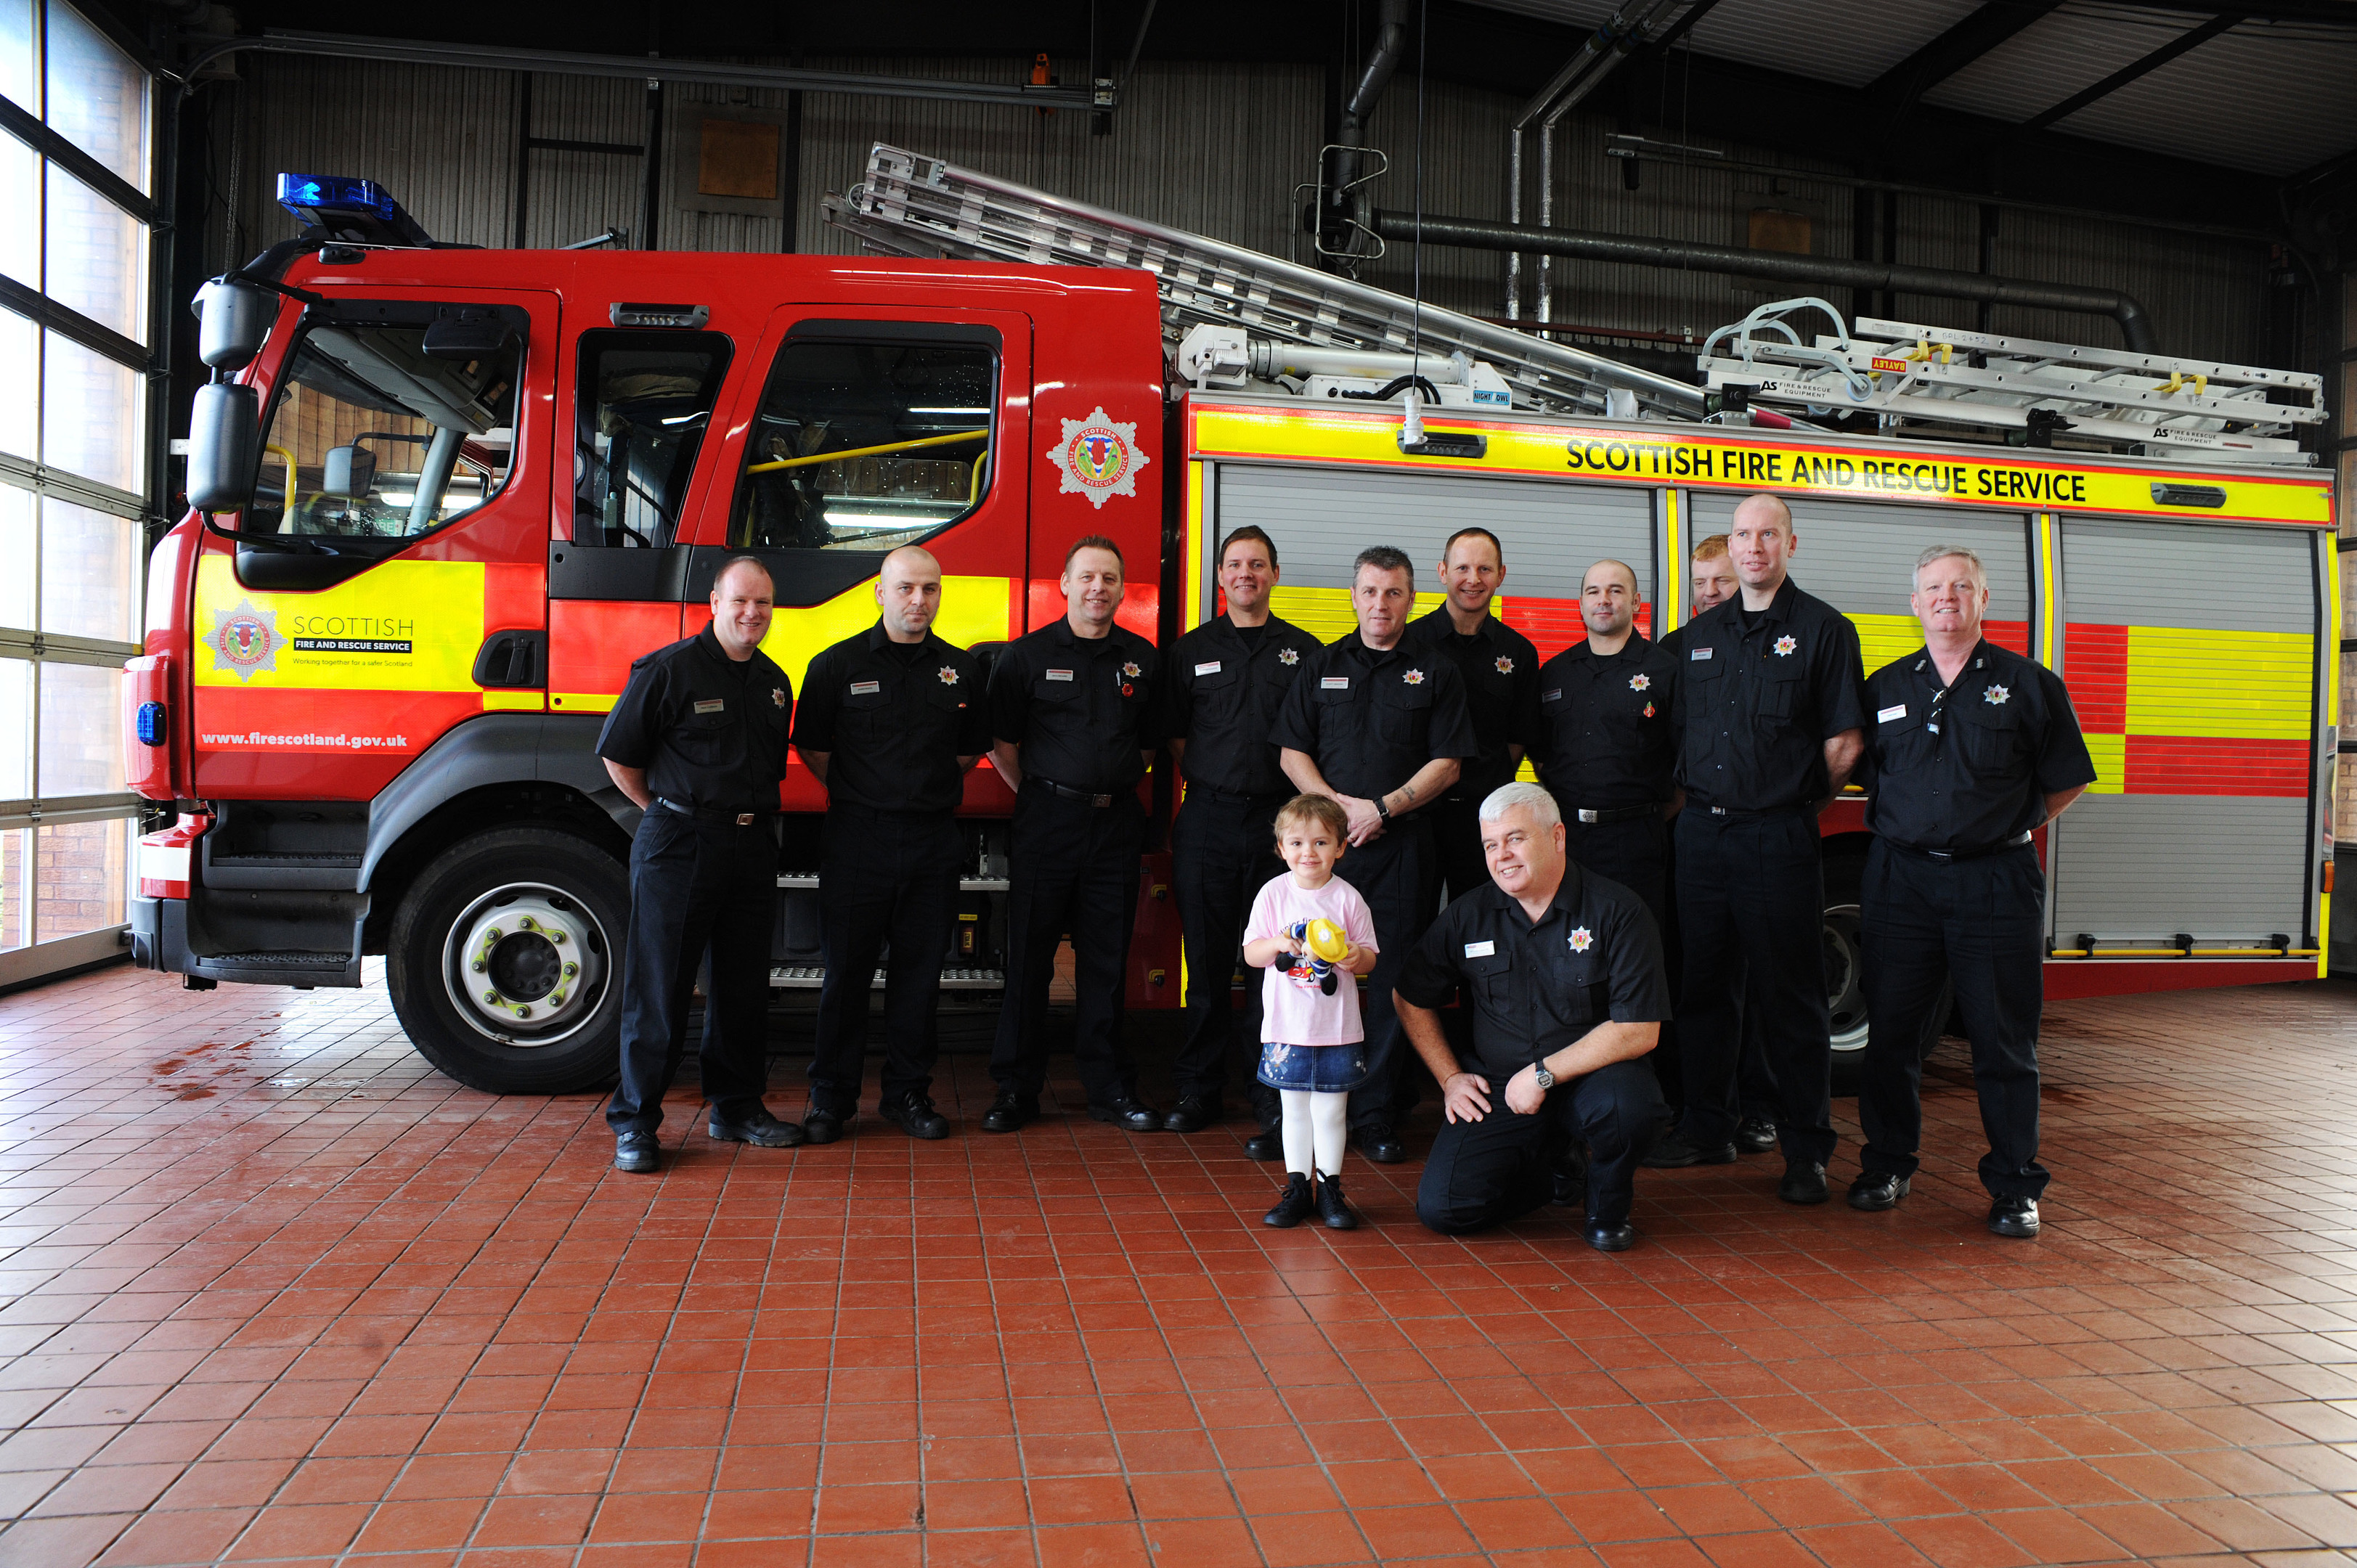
[2006, 385]
[915, 206]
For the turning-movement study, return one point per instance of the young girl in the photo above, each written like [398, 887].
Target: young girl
[1312, 1050]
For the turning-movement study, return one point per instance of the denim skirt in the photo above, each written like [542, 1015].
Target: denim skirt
[1323, 1069]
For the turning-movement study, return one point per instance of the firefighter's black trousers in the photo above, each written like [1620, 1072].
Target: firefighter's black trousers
[698, 888]
[1979, 922]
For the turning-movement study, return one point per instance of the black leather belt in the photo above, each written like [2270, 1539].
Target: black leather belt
[1739, 812]
[1947, 857]
[1237, 797]
[1085, 797]
[1593, 817]
[712, 813]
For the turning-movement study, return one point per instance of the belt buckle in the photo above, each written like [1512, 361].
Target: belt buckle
[1945, 857]
[1100, 800]
[1718, 810]
[1589, 816]
[745, 818]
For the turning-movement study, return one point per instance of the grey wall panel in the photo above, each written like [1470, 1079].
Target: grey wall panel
[2233, 579]
[571, 196]
[2224, 869]
[1859, 556]
[1552, 533]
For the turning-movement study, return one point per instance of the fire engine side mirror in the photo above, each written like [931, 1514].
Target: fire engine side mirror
[348, 472]
[224, 446]
[236, 317]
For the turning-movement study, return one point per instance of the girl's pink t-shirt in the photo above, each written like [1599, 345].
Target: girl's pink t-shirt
[1295, 1011]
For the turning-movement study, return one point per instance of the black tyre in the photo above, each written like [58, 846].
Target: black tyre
[1845, 973]
[505, 962]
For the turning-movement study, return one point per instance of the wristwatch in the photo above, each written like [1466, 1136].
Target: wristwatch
[1541, 1077]
[1383, 811]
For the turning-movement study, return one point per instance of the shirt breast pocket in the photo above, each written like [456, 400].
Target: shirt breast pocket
[1404, 717]
[1902, 743]
[1990, 734]
[1782, 693]
[1490, 977]
[1058, 692]
[707, 740]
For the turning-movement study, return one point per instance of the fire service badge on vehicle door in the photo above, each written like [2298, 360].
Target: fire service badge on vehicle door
[1099, 457]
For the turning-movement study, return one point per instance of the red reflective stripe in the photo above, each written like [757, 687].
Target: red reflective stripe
[2095, 668]
[2194, 764]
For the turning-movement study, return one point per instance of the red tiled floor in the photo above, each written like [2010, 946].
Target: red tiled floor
[341, 1310]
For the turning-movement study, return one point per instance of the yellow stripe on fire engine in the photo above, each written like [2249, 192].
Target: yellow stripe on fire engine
[2244, 685]
[974, 609]
[1797, 463]
[402, 626]
[2110, 754]
[1881, 639]
[1326, 614]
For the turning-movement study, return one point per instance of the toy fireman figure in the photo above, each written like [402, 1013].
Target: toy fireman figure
[1383, 729]
[698, 742]
[1077, 713]
[891, 720]
[1973, 747]
[1500, 670]
[1226, 681]
[1769, 710]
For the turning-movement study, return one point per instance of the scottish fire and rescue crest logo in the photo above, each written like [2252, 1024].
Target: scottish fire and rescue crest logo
[1996, 696]
[1786, 646]
[245, 639]
[1505, 666]
[1288, 656]
[948, 675]
[1582, 939]
[1641, 682]
[1099, 457]
[1414, 677]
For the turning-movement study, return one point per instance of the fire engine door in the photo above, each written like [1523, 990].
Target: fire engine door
[397, 532]
[869, 429]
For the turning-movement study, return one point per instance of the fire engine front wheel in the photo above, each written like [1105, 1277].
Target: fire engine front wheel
[504, 962]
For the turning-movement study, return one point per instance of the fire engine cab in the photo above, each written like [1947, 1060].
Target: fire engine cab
[441, 497]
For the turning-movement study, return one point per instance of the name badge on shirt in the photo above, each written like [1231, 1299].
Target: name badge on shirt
[1885, 716]
[1554, 696]
[1059, 674]
[1334, 683]
[866, 688]
[711, 705]
[1211, 669]
[1480, 949]
[1703, 652]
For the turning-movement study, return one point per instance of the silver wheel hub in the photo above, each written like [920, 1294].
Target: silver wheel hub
[526, 964]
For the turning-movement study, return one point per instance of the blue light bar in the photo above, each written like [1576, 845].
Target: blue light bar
[357, 210]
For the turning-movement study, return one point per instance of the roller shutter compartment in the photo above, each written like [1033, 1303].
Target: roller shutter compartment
[2190, 655]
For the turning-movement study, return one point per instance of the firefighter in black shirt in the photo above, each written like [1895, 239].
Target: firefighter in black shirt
[698, 742]
[1604, 747]
[1500, 669]
[1769, 709]
[1382, 728]
[1077, 713]
[1971, 747]
[1226, 681]
[1569, 994]
[889, 722]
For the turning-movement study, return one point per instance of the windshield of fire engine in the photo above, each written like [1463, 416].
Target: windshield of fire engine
[370, 437]
[867, 446]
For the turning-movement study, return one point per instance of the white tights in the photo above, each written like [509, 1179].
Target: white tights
[1313, 1126]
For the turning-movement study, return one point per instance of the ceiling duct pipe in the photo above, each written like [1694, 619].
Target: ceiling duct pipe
[1634, 249]
[1581, 74]
[1391, 47]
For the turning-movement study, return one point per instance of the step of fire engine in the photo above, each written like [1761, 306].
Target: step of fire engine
[965, 884]
[810, 976]
[910, 205]
[298, 967]
[2014, 388]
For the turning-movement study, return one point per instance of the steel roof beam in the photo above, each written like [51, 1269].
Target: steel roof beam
[1994, 22]
[2191, 40]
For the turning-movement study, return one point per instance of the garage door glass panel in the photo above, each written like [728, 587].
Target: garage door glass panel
[20, 194]
[16, 729]
[97, 254]
[16, 890]
[16, 578]
[89, 574]
[91, 422]
[81, 732]
[97, 97]
[80, 877]
[20, 402]
[424, 440]
[16, 55]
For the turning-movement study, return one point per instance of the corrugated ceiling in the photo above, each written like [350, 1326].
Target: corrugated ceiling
[2270, 97]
